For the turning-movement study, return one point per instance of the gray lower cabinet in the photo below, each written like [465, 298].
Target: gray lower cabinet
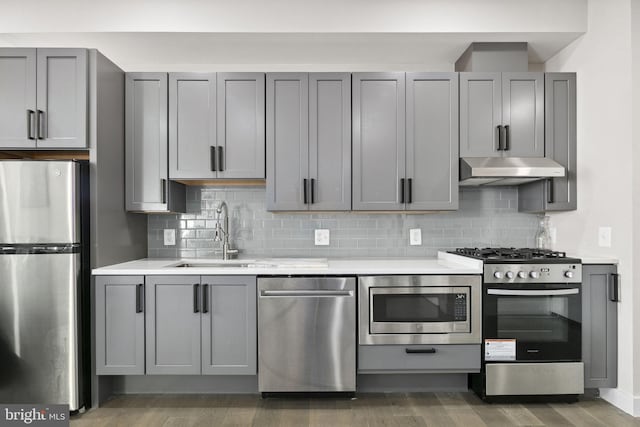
[119, 325]
[44, 98]
[308, 141]
[378, 141]
[173, 325]
[502, 114]
[147, 184]
[600, 325]
[397, 359]
[229, 333]
[556, 194]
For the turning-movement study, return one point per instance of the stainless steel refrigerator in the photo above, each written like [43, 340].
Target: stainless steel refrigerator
[44, 273]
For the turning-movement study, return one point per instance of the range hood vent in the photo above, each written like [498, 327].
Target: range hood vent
[476, 171]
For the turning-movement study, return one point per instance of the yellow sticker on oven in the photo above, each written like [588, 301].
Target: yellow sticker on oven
[499, 349]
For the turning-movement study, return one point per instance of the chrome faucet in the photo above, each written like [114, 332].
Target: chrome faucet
[222, 232]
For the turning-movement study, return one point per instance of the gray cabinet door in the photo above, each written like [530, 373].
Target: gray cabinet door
[241, 125]
[599, 326]
[62, 98]
[480, 114]
[432, 141]
[192, 125]
[229, 331]
[18, 98]
[560, 139]
[378, 140]
[173, 324]
[146, 141]
[287, 140]
[556, 194]
[523, 114]
[330, 141]
[119, 326]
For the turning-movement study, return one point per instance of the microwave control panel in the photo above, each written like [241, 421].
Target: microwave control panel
[460, 308]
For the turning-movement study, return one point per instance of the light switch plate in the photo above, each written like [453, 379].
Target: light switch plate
[169, 237]
[415, 236]
[604, 237]
[322, 237]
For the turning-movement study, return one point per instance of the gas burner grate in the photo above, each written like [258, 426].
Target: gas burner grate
[510, 253]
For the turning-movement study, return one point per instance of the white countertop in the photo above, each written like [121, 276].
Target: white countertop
[588, 259]
[444, 264]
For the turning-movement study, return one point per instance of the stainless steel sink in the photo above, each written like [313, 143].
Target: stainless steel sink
[222, 265]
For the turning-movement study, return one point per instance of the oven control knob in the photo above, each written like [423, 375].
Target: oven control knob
[568, 274]
[522, 274]
[509, 274]
[497, 274]
[534, 274]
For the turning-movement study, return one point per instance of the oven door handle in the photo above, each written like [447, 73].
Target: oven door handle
[533, 292]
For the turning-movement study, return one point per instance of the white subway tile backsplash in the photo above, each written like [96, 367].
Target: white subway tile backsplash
[487, 217]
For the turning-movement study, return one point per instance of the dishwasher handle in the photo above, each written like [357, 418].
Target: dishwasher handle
[306, 293]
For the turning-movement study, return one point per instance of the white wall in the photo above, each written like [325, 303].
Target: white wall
[602, 58]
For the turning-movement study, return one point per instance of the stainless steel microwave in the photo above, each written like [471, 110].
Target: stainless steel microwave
[420, 309]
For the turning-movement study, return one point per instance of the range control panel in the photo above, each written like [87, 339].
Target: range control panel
[532, 273]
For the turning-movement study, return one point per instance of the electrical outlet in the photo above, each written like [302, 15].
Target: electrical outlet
[415, 236]
[322, 237]
[169, 237]
[604, 237]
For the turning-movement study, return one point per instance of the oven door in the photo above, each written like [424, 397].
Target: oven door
[544, 320]
[419, 309]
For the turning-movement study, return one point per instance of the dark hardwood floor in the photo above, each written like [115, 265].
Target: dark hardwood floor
[402, 409]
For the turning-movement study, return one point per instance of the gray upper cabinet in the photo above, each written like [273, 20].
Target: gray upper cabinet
[241, 125]
[287, 141]
[44, 98]
[378, 141]
[556, 194]
[192, 126]
[309, 141]
[329, 142]
[148, 188]
[480, 114]
[119, 325]
[18, 100]
[501, 114]
[600, 325]
[229, 331]
[432, 141]
[173, 306]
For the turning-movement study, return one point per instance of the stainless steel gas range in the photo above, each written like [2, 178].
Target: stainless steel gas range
[531, 324]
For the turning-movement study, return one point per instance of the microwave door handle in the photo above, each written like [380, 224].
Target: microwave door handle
[533, 292]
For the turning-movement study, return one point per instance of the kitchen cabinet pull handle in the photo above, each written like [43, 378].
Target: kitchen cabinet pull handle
[205, 298]
[313, 195]
[196, 300]
[550, 190]
[499, 148]
[304, 191]
[139, 298]
[506, 138]
[30, 130]
[613, 288]
[212, 160]
[401, 190]
[409, 190]
[420, 350]
[163, 185]
[41, 125]
[220, 158]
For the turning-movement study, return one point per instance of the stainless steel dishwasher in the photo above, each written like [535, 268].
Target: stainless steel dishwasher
[307, 334]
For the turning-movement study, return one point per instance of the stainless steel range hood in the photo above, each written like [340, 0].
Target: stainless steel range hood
[476, 171]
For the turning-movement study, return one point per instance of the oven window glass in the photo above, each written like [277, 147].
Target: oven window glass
[543, 319]
[419, 308]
